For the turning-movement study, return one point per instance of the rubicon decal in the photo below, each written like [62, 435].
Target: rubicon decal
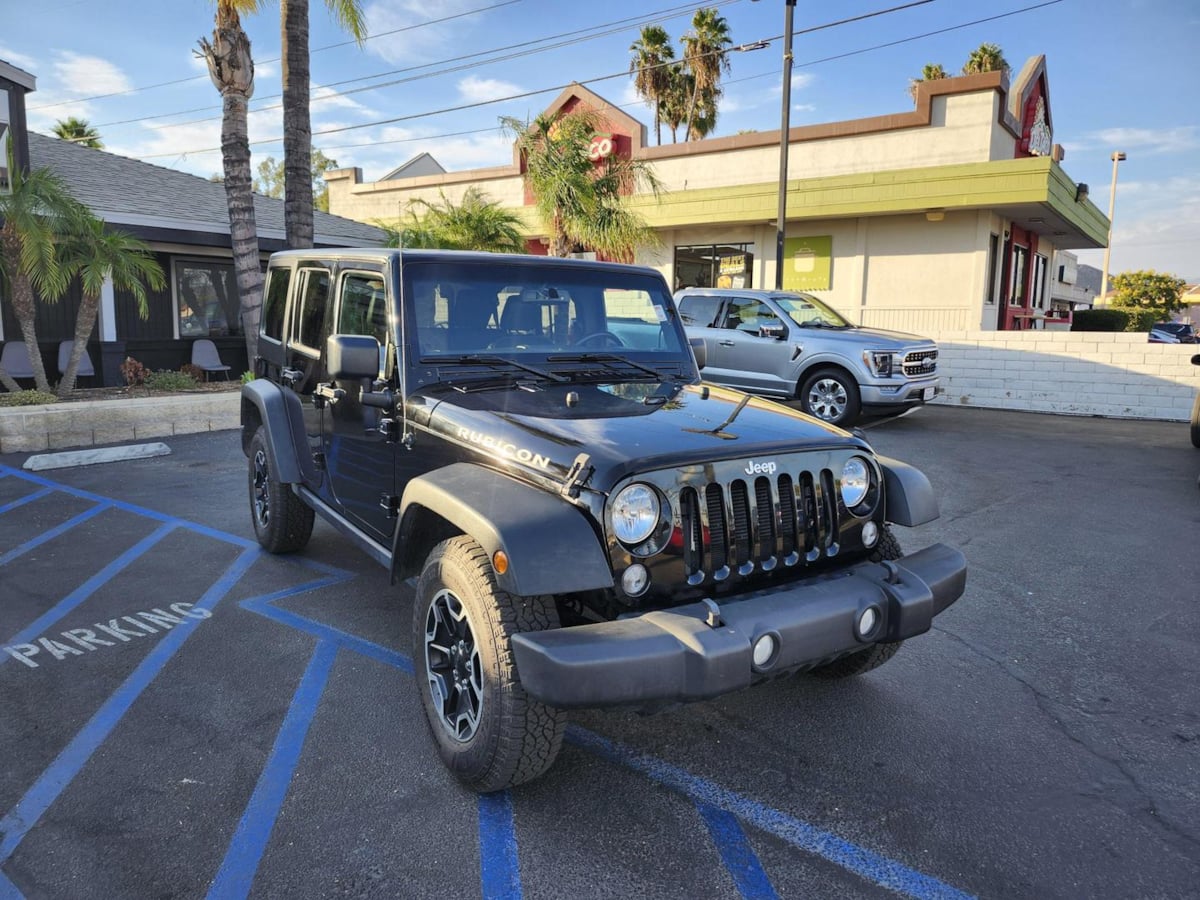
[512, 451]
[757, 468]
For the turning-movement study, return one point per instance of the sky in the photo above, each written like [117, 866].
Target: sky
[433, 76]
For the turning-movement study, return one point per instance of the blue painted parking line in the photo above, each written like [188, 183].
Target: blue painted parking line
[22, 817]
[28, 498]
[89, 587]
[8, 890]
[740, 861]
[33, 543]
[499, 867]
[234, 878]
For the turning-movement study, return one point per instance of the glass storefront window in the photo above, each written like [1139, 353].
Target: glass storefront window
[714, 265]
[206, 297]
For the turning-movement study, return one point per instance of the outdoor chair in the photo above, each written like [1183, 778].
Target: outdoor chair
[205, 356]
[64, 356]
[15, 360]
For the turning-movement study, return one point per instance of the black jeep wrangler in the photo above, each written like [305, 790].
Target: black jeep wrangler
[590, 525]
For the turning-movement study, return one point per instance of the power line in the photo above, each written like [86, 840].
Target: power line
[614, 27]
[370, 37]
[546, 90]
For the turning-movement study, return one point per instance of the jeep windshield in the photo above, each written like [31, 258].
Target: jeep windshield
[543, 314]
[809, 312]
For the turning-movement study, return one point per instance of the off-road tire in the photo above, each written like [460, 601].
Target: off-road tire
[282, 521]
[844, 412]
[1196, 422]
[516, 738]
[877, 654]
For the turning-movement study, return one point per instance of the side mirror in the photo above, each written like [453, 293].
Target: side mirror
[351, 356]
[699, 350]
[778, 332]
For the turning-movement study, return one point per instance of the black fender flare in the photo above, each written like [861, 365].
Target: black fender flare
[282, 418]
[909, 495]
[550, 545]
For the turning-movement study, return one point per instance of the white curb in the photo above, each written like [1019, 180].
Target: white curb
[71, 458]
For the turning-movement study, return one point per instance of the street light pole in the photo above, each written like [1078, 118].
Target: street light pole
[1112, 202]
[784, 129]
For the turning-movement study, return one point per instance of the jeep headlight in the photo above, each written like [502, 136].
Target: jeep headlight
[879, 362]
[856, 481]
[635, 512]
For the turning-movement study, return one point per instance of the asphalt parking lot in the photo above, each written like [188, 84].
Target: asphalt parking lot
[182, 715]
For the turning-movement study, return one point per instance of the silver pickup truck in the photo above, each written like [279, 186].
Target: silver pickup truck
[793, 346]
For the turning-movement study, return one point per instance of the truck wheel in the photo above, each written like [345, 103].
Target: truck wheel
[282, 521]
[489, 732]
[830, 395]
[877, 654]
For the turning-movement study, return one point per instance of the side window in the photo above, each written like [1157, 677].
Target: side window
[363, 307]
[700, 311]
[749, 316]
[275, 303]
[309, 315]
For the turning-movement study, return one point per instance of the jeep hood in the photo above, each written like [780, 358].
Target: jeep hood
[623, 428]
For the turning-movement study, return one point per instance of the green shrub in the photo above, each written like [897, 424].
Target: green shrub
[26, 398]
[163, 380]
[247, 377]
[1100, 320]
[1144, 319]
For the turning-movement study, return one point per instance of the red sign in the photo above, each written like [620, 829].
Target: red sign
[600, 148]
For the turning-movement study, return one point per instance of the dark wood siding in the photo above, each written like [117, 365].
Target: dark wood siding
[160, 325]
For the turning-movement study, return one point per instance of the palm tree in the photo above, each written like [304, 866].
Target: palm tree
[652, 76]
[673, 105]
[929, 72]
[78, 131]
[231, 67]
[704, 119]
[475, 223]
[93, 255]
[581, 202]
[704, 54]
[35, 212]
[297, 119]
[985, 58]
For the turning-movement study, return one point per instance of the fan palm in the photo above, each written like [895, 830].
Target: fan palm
[231, 68]
[985, 58]
[704, 54]
[652, 52]
[297, 119]
[673, 105]
[580, 201]
[929, 72]
[36, 211]
[78, 131]
[93, 255]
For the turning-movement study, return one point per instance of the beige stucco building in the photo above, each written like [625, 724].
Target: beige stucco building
[943, 217]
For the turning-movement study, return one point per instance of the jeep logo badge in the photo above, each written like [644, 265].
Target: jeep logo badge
[757, 468]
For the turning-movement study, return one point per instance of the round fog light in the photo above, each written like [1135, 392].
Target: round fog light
[867, 620]
[764, 650]
[635, 580]
[870, 534]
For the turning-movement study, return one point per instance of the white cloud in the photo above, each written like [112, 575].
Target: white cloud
[418, 41]
[1177, 139]
[88, 75]
[325, 99]
[1156, 226]
[20, 60]
[475, 90]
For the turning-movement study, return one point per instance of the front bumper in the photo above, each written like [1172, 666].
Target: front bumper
[675, 655]
[906, 393]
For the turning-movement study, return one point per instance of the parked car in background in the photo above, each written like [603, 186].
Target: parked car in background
[1173, 333]
[793, 346]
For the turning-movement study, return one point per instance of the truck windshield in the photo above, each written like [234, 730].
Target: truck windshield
[810, 312]
[532, 312]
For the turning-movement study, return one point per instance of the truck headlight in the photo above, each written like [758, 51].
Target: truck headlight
[856, 481]
[635, 513]
[879, 362]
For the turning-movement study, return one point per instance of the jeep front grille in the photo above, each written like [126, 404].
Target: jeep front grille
[757, 523]
[914, 363]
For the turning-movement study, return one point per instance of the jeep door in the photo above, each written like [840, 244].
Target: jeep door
[359, 458]
[302, 366]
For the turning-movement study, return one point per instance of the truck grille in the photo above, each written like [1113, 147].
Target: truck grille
[758, 523]
[915, 363]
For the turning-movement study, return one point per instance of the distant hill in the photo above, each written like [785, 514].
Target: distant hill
[1088, 278]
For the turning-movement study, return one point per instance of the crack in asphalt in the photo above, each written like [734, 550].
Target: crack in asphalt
[1173, 831]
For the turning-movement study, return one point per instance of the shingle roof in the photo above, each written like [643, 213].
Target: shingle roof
[125, 191]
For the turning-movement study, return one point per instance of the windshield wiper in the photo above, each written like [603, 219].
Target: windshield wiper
[821, 323]
[494, 362]
[604, 359]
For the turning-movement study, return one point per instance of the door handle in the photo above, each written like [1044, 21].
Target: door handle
[725, 343]
[290, 377]
[329, 393]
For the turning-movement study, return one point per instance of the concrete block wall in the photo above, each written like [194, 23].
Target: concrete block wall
[1077, 373]
[25, 429]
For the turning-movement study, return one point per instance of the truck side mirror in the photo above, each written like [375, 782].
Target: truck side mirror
[699, 350]
[778, 332]
[351, 356]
